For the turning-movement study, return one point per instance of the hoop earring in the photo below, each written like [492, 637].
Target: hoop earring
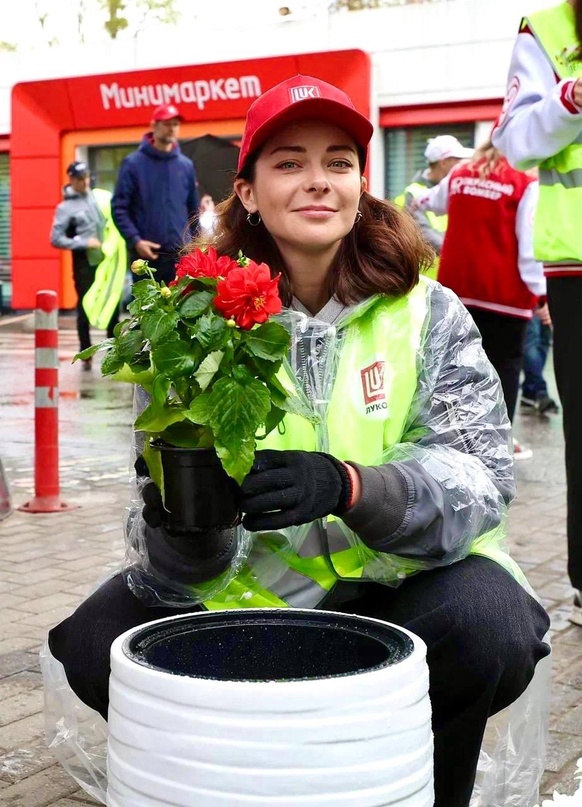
[250, 219]
[359, 216]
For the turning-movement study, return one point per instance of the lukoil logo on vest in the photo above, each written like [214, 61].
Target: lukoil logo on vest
[373, 387]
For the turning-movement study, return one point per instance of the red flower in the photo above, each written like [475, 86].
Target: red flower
[248, 295]
[203, 264]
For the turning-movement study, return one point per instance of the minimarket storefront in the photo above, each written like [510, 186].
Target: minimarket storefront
[101, 118]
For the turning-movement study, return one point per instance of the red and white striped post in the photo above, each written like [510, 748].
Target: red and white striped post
[46, 408]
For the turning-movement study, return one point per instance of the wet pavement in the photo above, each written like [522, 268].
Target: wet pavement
[49, 562]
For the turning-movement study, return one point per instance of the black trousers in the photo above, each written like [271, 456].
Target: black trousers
[83, 278]
[504, 342]
[483, 631]
[565, 301]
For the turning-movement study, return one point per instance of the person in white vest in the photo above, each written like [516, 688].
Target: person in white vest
[541, 125]
[395, 505]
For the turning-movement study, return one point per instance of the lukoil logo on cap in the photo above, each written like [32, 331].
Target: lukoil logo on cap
[301, 93]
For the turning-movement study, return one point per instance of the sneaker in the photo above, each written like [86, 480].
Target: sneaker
[546, 405]
[87, 364]
[527, 406]
[576, 613]
[521, 453]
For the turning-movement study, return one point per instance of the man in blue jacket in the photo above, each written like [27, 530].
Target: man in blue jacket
[155, 200]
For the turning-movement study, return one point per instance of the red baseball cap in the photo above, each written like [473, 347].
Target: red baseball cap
[302, 98]
[166, 112]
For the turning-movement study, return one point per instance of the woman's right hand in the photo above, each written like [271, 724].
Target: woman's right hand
[577, 93]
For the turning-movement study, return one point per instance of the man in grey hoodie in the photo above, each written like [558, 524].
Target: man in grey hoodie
[79, 225]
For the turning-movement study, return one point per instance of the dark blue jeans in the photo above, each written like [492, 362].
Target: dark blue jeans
[538, 339]
[484, 636]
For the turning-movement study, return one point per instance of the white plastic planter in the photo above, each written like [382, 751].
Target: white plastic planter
[278, 707]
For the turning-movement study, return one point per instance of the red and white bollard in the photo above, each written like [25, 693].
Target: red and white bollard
[46, 408]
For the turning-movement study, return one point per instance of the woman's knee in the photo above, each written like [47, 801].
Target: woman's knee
[497, 639]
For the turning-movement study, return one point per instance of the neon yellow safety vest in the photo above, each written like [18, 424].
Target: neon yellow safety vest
[557, 230]
[438, 223]
[104, 295]
[373, 389]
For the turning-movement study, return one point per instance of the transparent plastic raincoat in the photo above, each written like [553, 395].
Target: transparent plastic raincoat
[395, 386]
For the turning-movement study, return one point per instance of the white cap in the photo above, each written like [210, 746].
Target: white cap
[443, 146]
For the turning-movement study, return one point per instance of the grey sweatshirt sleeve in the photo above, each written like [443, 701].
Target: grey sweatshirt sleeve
[61, 223]
[434, 237]
[450, 478]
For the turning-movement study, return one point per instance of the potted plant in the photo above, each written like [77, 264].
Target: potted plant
[207, 351]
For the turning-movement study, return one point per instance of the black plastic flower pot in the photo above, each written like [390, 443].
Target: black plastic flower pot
[268, 645]
[198, 493]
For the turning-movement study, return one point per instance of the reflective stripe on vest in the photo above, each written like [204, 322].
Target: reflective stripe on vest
[374, 387]
[104, 295]
[557, 231]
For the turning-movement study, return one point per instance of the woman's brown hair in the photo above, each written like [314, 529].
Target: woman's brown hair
[577, 5]
[382, 254]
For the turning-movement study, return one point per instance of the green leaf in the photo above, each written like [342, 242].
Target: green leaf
[196, 304]
[112, 362]
[128, 374]
[186, 435]
[91, 351]
[129, 344]
[269, 341]
[159, 392]
[263, 369]
[237, 411]
[200, 409]
[290, 402]
[157, 324]
[212, 331]
[156, 418]
[174, 357]
[273, 419]
[237, 464]
[208, 368]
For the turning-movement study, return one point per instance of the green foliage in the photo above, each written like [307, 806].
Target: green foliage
[163, 11]
[210, 382]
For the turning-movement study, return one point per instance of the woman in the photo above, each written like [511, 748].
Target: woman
[487, 258]
[540, 124]
[411, 471]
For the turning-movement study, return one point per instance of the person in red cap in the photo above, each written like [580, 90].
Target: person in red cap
[391, 501]
[156, 197]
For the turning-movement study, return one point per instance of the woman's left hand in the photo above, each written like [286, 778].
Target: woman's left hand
[288, 488]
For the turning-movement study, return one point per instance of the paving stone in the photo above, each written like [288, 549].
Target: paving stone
[39, 790]
[23, 704]
[20, 763]
[562, 748]
[17, 643]
[16, 661]
[22, 732]
[571, 723]
[564, 782]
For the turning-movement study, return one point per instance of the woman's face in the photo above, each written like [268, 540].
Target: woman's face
[306, 187]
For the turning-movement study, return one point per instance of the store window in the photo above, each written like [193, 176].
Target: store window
[404, 149]
[104, 162]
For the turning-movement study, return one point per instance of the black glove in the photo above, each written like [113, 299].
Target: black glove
[186, 558]
[287, 488]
